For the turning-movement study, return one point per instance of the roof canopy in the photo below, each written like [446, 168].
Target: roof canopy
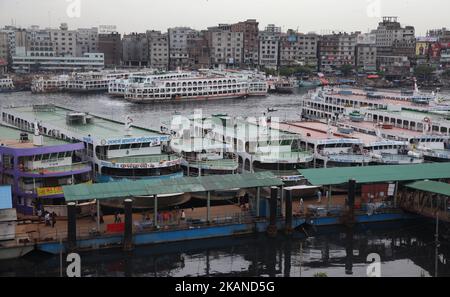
[431, 187]
[127, 189]
[373, 174]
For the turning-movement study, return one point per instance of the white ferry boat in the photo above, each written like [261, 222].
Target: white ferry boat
[119, 151]
[257, 82]
[50, 84]
[6, 84]
[261, 147]
[119, 86]
[93, 81]
[336, 146]
[193, 88]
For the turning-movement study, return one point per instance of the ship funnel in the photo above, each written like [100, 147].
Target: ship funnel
[38, 139]
[128, 123]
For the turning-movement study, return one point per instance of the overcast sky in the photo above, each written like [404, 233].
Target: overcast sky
[305, 15]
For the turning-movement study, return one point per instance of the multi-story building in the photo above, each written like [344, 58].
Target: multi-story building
[198, 51]
[394, 66]
[251, 42]
[226, 46]
[158, 49]
[4, 49]
[135, 49]
[336, 50]
[87, 41]
[39, 43]
[298, 49]
[178, 46]
[110, 44]
[64, 41]
[366, 52]
[89, 61]
[395, 40]
[443, 35]
[269, 47]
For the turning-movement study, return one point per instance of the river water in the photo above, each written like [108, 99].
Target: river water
[405, 249]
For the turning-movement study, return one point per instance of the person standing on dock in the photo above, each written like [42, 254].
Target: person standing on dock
[301, 205]
[319, 196]
[117, 218]
[53, 216]
[183, 215]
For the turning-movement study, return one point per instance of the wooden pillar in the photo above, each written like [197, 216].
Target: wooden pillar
[288, 210]
[258, 201]
[128, 233]
[72, 226]
[351, 200]
[272, 228]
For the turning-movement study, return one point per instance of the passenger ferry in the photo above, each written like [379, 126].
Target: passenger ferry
[260, 147]
[194, 88]
[205, 156]
[50, 84]
[281, 85]
[37, 166]
[118, 150]
[257, 82]
[337, 146]
[93, 81]
[6, 84]
[119, 86]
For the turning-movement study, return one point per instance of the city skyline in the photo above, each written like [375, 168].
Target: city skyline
[352, 15]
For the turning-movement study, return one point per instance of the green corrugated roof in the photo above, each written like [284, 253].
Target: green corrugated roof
[372, 174]
[432, 187]
[125, 189]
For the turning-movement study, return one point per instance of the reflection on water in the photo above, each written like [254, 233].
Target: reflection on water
[406, 249]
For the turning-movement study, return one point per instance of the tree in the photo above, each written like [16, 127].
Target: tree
[346, 69]
[424, 72]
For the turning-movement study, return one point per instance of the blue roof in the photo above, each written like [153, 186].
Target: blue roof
[5, 197]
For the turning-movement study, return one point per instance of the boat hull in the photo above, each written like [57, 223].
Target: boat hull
[14, 252]
[148, 202]
[185, 99]
[218, 195]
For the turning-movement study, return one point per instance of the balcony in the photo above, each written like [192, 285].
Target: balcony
[284, 157]
[75, 168]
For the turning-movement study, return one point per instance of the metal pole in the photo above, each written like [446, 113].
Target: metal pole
[329, 198]
[98, 215]
[208, 208]
[258, 201]
[155, 210]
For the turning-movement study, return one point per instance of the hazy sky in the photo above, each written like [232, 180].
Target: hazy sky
[305, 15]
